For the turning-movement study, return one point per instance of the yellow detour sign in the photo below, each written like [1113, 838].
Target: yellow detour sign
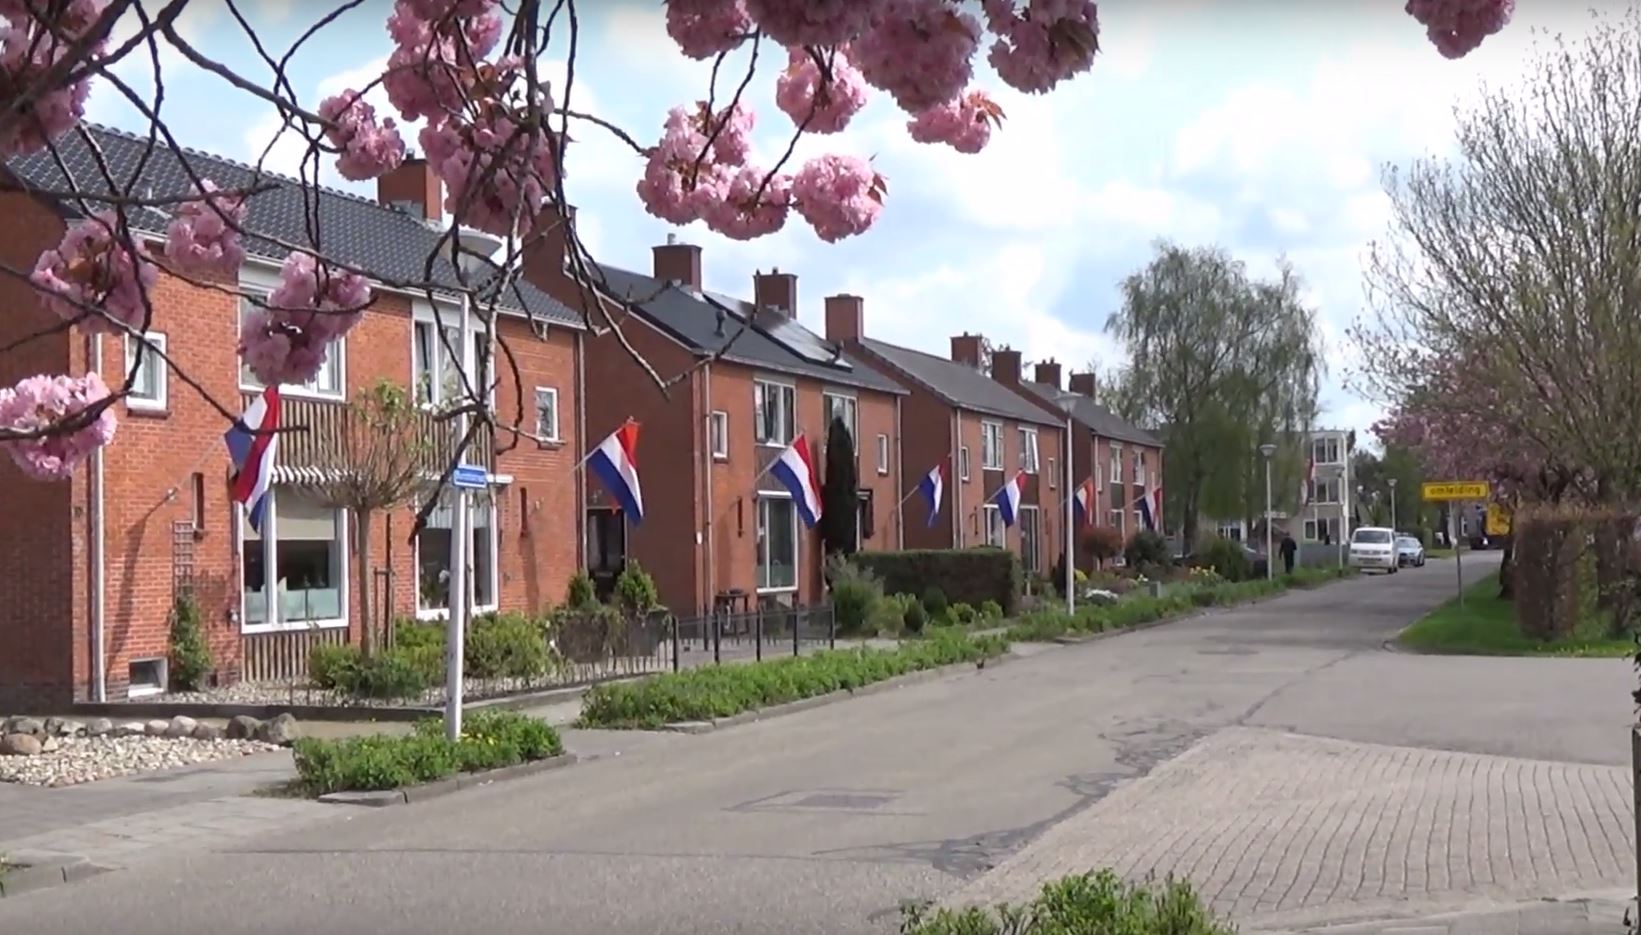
[1498, 520]
[1456, 490]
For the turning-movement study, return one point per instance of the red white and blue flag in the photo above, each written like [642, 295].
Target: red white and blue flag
[1007, 499]
[615, 461]
[796, 470]
[1083, 502]
[933, 489]
[254, 449]
[1150, 504]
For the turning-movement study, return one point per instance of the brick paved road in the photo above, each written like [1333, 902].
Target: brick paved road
[1272, 827]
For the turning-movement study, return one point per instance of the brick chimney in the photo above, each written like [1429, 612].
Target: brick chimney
[1083, 384]
[413, 188]
[544, 250]
[776, 290]
[1005, 366]
[1048, 373]
[845, 318]
[966, 349]
[678, 263]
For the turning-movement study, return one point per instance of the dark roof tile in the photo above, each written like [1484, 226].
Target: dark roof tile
[1095, 416]
[960, 384]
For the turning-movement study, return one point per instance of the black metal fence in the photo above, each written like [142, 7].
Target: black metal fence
[741, 636]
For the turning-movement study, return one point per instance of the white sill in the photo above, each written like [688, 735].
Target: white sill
[789, 590]
[298, 392]
[143, 404]
[443, 613]
[774, 444]
[883, 472]
[287, 626]
[143, 691]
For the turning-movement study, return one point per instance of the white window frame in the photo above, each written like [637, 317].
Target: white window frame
[1116, 513]
[344, 524]
[551, 393]
[1028, 450]
[1326, 450]
[1114, 467]
[759, 565]
[991, 445]
[1036, 562]
[1310, 532]
[154, 363]
[829, 398]
[338, 351]
[963, 462]
[882, 453]
[473, 503]
[991, 519]
[1139, 466]
[718, 434]
[1325, 491]
[787, 393]
[423, 316]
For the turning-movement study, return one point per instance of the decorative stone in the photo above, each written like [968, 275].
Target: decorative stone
[19, 745]
[49, 744]
[243, 727]
[206, 732]
[130, 729]
[98, 727]
[281, 729]
[156, 728]
[24, 725]
[181, 726]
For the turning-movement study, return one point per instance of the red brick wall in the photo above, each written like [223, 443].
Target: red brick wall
[926, 431]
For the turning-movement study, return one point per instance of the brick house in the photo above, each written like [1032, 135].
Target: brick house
[96, 561]
[1124, 461]
[982, 430]
[716, 525]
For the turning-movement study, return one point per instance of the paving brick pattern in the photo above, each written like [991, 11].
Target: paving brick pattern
[1270, 825]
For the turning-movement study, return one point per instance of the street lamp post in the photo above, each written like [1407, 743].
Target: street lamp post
[1267, 450]
[1393, 504]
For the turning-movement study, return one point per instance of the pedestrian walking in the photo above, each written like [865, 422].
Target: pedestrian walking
[1289, 549]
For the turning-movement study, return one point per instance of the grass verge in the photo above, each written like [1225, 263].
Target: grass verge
[1134, 610]
[722, 691]
[1094, 902]
[490, 740]
[1487, 627]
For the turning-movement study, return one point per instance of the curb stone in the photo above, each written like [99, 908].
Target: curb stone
[804, 704]
[40, 870]
[1191, 615]
[410, 795]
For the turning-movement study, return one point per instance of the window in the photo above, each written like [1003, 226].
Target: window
[308, 569]
[198, 501]
[991, 446]
[1114, 468]
[882, 454]
[777, 544]
[1139, 467]
[434, 547]
[147, 391]
[547, 415]
[1324, 491]
[845, 408]
[146, 677]
[1325, 451]
[864, 519]
[437, 365]
[1031, 547]
[996, 533]
[1053, 475]
[963, 463]
[328, 382]
[1114, 518]
[1028, 450]
[1233, 531]
[718, 429]
[1310, 530]
[772, 413]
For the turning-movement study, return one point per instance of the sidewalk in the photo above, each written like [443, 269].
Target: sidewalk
[1574, 917]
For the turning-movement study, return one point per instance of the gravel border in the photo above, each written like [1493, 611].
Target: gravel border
[410, 795]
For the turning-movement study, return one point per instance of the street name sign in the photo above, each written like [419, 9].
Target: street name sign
[470, 476]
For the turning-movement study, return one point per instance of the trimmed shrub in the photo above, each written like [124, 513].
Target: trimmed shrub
[1146, 549]
[389, 675]
[916, 618]
[855, 594]
[1103, 543]
[935, 604]
[1227, 559]
[635, 590]
[581, 591]
[510, 646]
[1087, 903]
[991, 610]
[190, 651]
[968, 575]
[490, 740]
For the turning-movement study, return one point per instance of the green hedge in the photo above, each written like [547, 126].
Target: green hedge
[964, 576]
[490, 740]
[720, 691]
[1091, 903]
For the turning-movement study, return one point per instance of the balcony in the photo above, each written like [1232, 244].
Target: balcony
[320, 428]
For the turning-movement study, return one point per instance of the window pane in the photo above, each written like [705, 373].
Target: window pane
[307, 558]
[788, 397]
[423, 355]
[777, 543]
[547, 413]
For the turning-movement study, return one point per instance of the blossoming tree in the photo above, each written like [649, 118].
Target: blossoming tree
[494, 132]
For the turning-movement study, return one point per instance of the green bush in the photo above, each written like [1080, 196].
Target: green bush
[190, 651]
[510, 645]
[916, 618]
[1227, 559]
[391, 674]
[968, 575]
[635, 590]
[991, 610]
[1088, 903]
[889, 618]
[490, 740]
[721, 691]
[1146, 549]
[581, 591]
[855, 594]
[935, 603]
[964, 614]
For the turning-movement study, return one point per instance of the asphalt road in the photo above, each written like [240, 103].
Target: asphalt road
[825, 821]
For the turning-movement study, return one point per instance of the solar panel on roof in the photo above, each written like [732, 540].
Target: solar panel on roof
[800, 340]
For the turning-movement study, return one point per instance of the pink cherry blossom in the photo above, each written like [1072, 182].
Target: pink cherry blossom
[704, 28]
[814, 102]
[839, 196]
[494, 170]
[964, 124]
[93, 266]
[282, 347]
[434, 61]
[31, 44]
[1457, 27]
[369, 148]
[736, 209]
[306, 283]
[53, 404]
[204, 236]
[1051, 41]
[812, 22]
[920, 51]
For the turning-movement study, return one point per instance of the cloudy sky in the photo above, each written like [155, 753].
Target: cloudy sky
[1259, 125]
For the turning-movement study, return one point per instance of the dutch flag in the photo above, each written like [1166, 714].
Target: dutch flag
[1150, 504]
[1083, 502]
[796, 470]
[615, 461]
[1007, 499]
[933, 489]
[254, 451]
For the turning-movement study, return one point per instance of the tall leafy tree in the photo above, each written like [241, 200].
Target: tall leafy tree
[839, 492]
[1222, 363]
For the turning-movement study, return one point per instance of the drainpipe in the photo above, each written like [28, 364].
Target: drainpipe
[710, 533]
[99, 661]
[581, 441]
[899, 475]
[957, 480]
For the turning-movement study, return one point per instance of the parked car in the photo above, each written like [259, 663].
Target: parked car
[1373, 547]
[1409, 552]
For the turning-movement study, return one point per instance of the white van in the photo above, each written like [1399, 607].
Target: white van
[1373, 547]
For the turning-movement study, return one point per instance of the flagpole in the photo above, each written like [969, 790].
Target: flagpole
[1070, 534]
[594, 450]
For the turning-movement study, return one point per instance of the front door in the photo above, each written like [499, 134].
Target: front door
[606, 548]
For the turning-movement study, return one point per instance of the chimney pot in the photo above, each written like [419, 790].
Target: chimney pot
[1083, 384]
[966, 349]
[776, 290]
[678, 262]
[845, 318]
[1005, 366]
[1048, 373]
[414, 186]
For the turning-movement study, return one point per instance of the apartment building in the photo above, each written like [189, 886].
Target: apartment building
[96, 562]
[1325, 513]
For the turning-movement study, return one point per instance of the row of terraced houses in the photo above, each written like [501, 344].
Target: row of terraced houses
[93, 564]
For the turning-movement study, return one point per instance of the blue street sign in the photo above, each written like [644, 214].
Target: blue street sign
[472, 476]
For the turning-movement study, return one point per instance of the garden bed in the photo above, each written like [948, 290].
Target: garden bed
[1094, 902]
[1487, 626]
[491, 741]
